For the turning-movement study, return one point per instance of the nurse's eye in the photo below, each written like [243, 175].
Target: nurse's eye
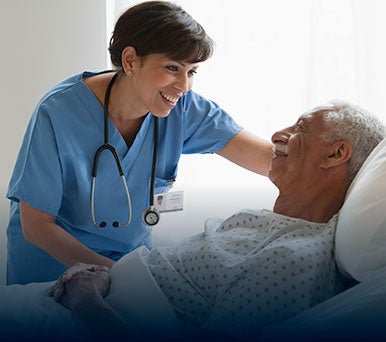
[172, 68]
[192, 72]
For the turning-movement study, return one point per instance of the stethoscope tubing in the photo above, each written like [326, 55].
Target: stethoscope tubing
[106, 146]
[154, 166]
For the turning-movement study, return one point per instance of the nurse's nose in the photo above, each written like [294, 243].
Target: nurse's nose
[184, 83]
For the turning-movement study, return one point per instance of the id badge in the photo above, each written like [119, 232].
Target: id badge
[169, 201]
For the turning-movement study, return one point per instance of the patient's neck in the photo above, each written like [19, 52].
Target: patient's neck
[314, 206]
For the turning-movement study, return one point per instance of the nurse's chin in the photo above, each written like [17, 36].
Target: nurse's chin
[161, 114]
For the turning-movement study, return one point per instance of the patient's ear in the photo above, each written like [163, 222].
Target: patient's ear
[338, 153]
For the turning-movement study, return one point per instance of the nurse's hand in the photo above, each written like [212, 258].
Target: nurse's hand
[58, 289]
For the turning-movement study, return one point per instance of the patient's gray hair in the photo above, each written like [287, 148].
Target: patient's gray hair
[350, 122]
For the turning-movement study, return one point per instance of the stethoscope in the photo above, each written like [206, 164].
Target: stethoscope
[151, 215]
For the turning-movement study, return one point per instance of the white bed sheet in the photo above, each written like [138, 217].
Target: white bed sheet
[27, 311]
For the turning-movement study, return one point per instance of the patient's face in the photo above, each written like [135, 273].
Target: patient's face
[299, 152]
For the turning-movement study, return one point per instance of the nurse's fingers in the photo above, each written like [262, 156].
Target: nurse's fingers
[79, 268]
[103, 268]
[50, 291]
[76, 269]
[56, 291]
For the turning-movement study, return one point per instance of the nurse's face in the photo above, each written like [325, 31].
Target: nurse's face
[159, 82]
[300, 151]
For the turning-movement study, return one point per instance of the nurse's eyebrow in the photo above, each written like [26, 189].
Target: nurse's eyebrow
[184, 65]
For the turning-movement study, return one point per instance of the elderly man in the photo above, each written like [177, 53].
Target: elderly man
[257, 267]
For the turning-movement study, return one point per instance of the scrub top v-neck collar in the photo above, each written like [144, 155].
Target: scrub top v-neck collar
[128, 155]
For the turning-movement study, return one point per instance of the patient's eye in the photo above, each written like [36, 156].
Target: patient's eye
[299, 124]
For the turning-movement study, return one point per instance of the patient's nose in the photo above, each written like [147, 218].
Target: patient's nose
[280, 137]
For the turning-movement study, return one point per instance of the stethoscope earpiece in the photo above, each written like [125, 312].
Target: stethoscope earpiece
[115, 224]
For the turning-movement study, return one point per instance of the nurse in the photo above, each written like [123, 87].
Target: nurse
[156, 48]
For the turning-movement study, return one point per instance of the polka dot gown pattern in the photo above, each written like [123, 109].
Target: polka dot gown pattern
[254, 269]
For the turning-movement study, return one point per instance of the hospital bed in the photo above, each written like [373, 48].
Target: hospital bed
[359, 312]
[360, 249]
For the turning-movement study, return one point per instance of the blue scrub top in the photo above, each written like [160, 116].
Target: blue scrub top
[54, 166]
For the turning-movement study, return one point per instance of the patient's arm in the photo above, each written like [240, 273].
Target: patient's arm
[84, 296]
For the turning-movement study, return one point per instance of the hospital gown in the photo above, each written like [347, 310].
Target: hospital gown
[254, 269]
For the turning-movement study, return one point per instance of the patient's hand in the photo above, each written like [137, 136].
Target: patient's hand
[58, 289]
[83, 295]
[85, 289]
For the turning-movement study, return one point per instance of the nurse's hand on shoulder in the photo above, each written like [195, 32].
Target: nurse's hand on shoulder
[58, 289]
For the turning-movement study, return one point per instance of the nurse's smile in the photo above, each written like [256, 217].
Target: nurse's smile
[168, 100]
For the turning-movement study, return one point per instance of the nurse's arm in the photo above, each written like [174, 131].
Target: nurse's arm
[40, 229]
[249, 151]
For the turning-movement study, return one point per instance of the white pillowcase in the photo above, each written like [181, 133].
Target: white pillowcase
[360, 242]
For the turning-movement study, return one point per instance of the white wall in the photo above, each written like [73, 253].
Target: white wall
[42, 42]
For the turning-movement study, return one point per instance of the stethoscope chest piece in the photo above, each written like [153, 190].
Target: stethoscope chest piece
[151, 216]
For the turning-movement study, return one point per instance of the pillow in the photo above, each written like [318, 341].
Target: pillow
[360, 241]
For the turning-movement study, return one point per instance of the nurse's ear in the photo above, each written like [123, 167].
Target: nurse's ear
[129, 59]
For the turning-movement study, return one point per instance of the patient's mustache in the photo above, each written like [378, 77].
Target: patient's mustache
[283, 149]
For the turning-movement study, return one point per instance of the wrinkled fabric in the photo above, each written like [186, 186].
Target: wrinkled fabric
[254, 269]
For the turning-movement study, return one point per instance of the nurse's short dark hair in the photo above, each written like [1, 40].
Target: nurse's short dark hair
[160, 27]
